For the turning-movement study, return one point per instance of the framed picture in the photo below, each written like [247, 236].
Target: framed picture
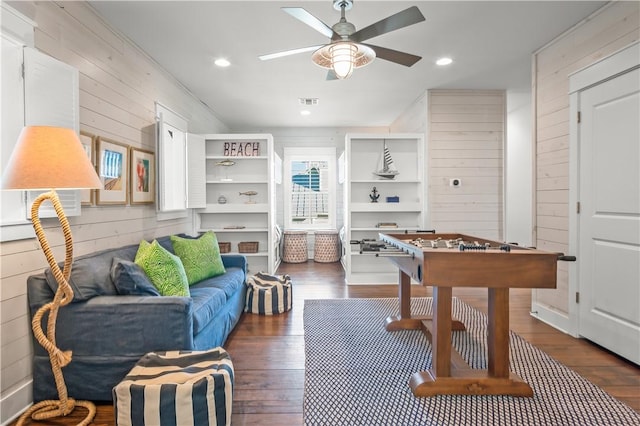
[142, 176]
[112, 164]
[88, 143]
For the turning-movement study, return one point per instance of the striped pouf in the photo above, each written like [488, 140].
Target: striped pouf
[176, 388]
[268, 294]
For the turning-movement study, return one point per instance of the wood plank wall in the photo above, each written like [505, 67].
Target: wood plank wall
[608, 30]
[464, 132]
[466, 140]
[118, 87]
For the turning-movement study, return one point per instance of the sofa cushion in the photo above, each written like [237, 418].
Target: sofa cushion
[163, 268]
[165, 242]
[90, 274]
[229, 282]
[130, 279]
[200, 256]
[207, 302]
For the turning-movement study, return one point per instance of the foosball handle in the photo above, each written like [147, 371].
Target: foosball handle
[561, 256]
[362, 241]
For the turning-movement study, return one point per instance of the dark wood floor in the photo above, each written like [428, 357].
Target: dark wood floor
[268, 352]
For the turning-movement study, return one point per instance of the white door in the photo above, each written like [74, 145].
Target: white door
[609, 219]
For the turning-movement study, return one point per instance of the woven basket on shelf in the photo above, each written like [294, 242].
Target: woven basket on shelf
[248, 247]
[225, 247]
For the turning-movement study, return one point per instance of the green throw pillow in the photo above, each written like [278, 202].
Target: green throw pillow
[200, 256]
[164, 269]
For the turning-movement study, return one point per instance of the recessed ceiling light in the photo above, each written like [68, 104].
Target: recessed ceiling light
[444, 61]
[305, 112]
[222, 62]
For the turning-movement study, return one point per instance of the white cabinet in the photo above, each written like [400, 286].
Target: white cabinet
[240, 195]
[364, 218]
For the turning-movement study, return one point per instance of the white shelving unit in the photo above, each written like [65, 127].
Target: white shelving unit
[242, 218]
[362, 155]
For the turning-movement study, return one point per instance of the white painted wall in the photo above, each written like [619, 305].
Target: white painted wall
[518, 169]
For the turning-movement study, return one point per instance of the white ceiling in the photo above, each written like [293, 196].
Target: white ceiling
[490, 42]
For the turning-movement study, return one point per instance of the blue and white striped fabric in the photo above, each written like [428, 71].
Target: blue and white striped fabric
[268, 294]
[176, 388]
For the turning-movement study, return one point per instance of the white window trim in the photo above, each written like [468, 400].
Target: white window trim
[302, 154]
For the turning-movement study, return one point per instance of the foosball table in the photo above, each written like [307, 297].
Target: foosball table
[445, 261]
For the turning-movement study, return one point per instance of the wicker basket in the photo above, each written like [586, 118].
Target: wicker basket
[248, 247]
[295, 247]
[326, 247]
[225, 247]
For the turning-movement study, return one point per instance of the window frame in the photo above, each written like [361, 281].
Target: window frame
[291, 155]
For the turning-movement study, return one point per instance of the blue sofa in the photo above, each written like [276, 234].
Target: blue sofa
[109, 332]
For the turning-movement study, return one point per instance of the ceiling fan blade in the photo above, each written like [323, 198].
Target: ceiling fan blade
[289, 52]
[402, 19]
[307, 18]
[402, 58]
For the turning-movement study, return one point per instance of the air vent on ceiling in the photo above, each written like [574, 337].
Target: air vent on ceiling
[308, 101]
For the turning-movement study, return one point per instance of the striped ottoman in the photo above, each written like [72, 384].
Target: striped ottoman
[268, 294]
[176, 388]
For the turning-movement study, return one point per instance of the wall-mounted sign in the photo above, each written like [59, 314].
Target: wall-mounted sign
[241, 149]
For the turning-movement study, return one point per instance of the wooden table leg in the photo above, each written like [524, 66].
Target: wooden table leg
[404, 321]
[441, 333]
[449, 373]
[498, 332]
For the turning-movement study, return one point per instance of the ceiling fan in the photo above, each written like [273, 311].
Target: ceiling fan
[346, 51]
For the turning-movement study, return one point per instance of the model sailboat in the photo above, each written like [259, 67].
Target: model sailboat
[386, 170]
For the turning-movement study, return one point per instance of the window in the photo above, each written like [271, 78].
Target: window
[310, 188]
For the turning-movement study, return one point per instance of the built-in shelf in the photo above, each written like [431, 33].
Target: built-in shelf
[362, 155]
[235, 230]
[385, 181]
[399, 229]
[222, 157]
[235, 208]
[241, 217]
[386, 207]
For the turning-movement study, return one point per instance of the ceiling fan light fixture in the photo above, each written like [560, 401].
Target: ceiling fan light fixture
[343, 57]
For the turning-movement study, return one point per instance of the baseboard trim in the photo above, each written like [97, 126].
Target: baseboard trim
[551, 317]
[14, 404]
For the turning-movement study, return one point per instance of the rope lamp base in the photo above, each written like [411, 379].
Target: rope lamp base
[64, 294]
[51, 408]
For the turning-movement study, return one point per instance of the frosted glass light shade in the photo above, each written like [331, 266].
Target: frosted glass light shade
[49, 158]
[343, 58]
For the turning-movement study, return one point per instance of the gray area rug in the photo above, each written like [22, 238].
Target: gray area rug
[356, 373]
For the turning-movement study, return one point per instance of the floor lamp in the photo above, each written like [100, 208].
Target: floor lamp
[52, 158]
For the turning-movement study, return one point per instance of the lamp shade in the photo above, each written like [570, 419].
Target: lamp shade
[49, 158]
